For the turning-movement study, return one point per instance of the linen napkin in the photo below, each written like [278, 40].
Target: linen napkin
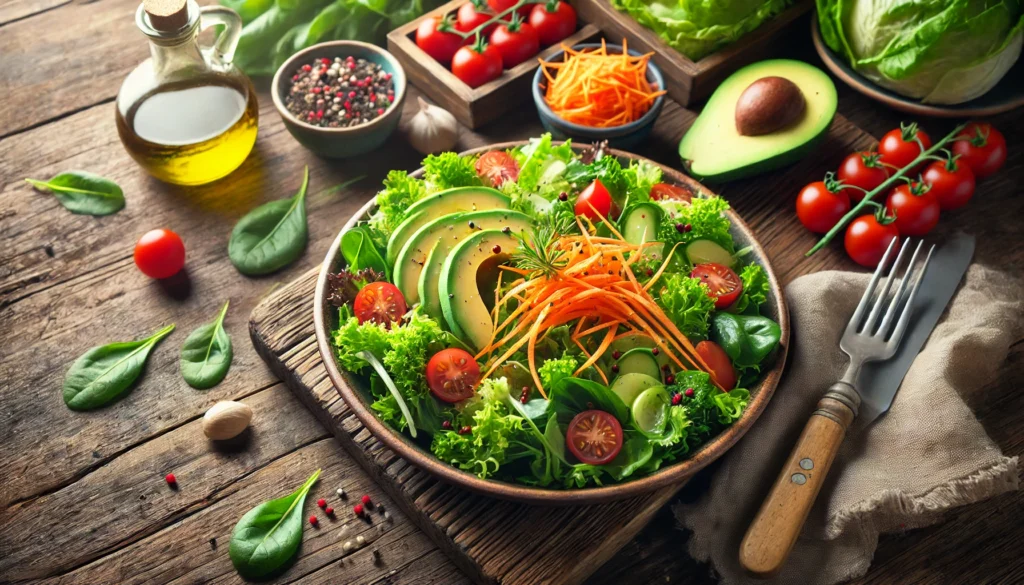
[926, 455]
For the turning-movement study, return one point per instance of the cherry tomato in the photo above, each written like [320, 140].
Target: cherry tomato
[497, 167]
[898, 147]
[434, 36]
[819, 208]
[553, 21]
[160, 253]
[981, 147]
[862, 169]
[951, 183]
[594, 202]
[452, 375]
[379, 302]
[725, 287]
[469, 18]
[499, 6]
[477, 64]
[915, 208]
[594, 437]
[867, 239]
[719, 363]
[666, 192]
[516, 41]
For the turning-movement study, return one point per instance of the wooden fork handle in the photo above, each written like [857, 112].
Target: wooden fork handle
[777, 525]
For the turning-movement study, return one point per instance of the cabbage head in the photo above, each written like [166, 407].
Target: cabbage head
[938, 51]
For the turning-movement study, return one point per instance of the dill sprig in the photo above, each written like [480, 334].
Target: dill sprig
[537, 251]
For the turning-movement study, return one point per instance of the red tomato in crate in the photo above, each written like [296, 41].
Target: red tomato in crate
[452, 375]
[553, 21]
[951, 183]
[469, 18]
[160, 253]
[867, 239]
[516, 41]
[477, 64]
[499, 6]
[594, 437]
[379, 302]
[434, 36]
[915, 208]
[981, 147]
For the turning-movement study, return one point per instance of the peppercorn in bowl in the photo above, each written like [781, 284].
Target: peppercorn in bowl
[341, 98]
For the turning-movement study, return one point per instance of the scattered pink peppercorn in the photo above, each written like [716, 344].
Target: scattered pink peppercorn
[677, 399]
[465, 430]
[687, 227]
[170, 479]
[679, 228]
[563, 196]
[313, 520]
[670, 379]
[655, 351]
[365, 500]
[351, 94]
[307, 68]
[315, 90]
[358, 509]
[689, 392]
[322, 503]
[615, 368]
[295, 77]
[446, 424]
[329, 511]
[380, 111]
[351, 65]
[496, 249]
[616, 354]
[325, 60]
[650, 272]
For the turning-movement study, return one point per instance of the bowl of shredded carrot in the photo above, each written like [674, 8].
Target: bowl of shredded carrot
[597, 91]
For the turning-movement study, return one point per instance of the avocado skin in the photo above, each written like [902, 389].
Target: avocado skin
[769, 164]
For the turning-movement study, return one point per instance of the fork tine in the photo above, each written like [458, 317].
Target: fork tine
[901, 325]
[851, 327]
[876, 310]
[890, 313]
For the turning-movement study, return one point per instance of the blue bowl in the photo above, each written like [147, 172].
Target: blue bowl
[341, 142]
[622, 137]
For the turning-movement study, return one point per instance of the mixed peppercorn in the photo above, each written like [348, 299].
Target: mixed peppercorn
[340, 93]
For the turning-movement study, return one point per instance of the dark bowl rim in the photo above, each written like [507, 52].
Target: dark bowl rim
[614, 131]
[276, 87]
[673, 474]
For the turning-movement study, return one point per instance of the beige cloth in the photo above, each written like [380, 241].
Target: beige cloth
[928, 454]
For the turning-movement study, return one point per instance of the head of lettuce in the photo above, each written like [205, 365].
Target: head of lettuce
[938, 51]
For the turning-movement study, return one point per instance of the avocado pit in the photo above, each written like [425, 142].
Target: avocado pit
[768, 105]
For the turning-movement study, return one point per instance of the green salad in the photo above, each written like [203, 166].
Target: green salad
[550, 317]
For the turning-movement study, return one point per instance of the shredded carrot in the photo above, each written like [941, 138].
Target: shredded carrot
[599, 89]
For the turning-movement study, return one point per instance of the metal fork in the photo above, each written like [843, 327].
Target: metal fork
[869, 336]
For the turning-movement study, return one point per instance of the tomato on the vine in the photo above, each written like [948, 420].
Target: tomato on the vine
[718, 362]
[898, 148]
[667, 192]
[862, 170]
[452, 375]
[594, 437]
[434, 35]
[723, 284]
[379, 302]
[499, 6]
[867, 239]
[160, 253]
[821, 204]
[553, 21]
[595, 202]
[470, 16]
[981, 147]
[477, 64]
[497, 167]
[951, 183]
[915, 208]
[517, 41]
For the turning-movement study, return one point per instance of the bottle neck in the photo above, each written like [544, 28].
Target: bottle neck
[169, 58]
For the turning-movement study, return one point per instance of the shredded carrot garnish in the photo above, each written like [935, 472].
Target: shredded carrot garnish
[599, 89]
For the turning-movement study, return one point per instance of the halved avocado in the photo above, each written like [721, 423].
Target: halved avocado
[714, 150]
[434, 206]
[474, 260]
[413, 255]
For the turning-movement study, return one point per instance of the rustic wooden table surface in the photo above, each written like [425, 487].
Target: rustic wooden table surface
[82, 496]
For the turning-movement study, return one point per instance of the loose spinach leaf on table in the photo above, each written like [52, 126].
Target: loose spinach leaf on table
[268, 536]
[271, 236]
[84, 193]
[105, 372]
[206, 354]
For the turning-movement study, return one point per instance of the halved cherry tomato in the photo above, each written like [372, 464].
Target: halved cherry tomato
[379, 302]
[915, 208]
[819, 208]
[499, 6]
[477, 64]
[517, 41]
[452, 375]
[554, 21]
[725, 287]
[867, 239]
[863, 170]
[594, 202]
[667, 192]
[898, 147]
[952, 183]
[497, 167]
[594, 437]
[469, 18]
[719, 363]
[434, 36]
[981, 147]
[160, 253]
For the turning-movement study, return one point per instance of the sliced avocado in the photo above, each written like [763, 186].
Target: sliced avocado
[632, 340]
[475, 258]
[639, 360]
[714, 150]
[429, 273]
[434, 206]
[640, 224]
[629, 386]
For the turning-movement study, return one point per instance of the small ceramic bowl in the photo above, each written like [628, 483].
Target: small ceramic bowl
[622, 137]
[340, 142]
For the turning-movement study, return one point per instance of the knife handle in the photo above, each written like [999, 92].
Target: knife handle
[777, 525]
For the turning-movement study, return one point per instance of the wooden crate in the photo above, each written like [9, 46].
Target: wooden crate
[688, 81]
[472, 107]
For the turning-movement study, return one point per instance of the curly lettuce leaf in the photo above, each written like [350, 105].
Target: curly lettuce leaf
[554, 370]
[687, 302]
[755, 290]
[449, 170]
[400, 191]
[707, 220]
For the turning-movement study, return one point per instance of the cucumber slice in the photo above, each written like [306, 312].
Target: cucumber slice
[641, 223]
[704, 251]
[629, 386]
[650, 411]
[633, 340]
[639, 360]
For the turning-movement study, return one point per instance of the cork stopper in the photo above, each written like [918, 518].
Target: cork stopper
[166, 15]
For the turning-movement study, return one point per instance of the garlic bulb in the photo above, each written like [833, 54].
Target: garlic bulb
[432, 129]
[226, 420]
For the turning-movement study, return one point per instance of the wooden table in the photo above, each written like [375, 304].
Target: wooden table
[82, 496]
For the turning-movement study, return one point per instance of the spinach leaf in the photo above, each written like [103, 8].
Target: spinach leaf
[359, 252]
[271, 236]
[105, 372]
[636, 451]
[748, 339]
[206, 354]
[84, 193]
[571, 396]
[268, 536]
